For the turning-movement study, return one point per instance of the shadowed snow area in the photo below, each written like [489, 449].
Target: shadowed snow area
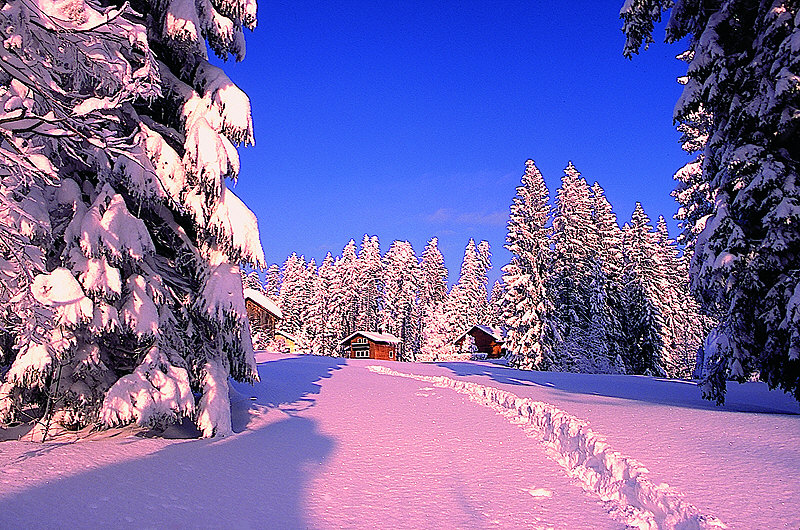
[328, 443]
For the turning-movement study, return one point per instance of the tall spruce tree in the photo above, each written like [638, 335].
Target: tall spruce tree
[272, 282]
[744, 71]
[290, 297]
[433, 286]
[328, 329]
[529, 315]
[643, 282]
[348, 271]
[468, 299]
[119, 238]
[494, 314]
[577, 278]
[304, 297]
[401, 280]
[370, 286]
[610, 258]
[432, 299]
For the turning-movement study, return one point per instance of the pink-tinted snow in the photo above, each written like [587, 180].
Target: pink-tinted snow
[329, 443]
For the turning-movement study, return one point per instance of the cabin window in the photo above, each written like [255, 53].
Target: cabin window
[360, 348]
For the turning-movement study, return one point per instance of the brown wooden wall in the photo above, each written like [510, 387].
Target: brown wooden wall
[260, 318]
[381, 352]
[485, 343]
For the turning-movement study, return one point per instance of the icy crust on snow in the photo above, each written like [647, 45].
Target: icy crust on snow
[586, 456]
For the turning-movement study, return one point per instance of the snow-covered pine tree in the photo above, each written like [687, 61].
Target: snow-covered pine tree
[577, 278]
[485, 260]
[495, 313]
[401, 286]
[433, 286]
[529, 317]
[309, 320]
[437, 342]
[272, 282]
[744, 71]
[468, 299]
[609, 256]
[685, 328]
[432, 301]
[348, 271]
[370, 286]
[643, 280]
[253, 281]
[119, 238]
[669, 302]
[327, 317]
[289, 299]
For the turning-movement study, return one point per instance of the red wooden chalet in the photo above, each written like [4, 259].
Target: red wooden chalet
[488, 340]
[370, 345]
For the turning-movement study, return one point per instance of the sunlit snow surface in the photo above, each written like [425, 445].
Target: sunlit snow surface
[329, 443]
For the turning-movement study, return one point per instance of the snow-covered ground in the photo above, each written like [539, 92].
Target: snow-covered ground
[330, 443]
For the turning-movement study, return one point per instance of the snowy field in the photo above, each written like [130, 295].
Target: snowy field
[330, 443]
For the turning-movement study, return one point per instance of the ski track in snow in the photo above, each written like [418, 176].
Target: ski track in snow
[585, 455]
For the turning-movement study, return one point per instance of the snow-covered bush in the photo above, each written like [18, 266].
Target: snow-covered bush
[120, 293]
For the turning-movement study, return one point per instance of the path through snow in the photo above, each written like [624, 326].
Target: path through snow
[329, 443]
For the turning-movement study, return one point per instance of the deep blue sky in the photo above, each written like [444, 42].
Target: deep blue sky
[414, 119]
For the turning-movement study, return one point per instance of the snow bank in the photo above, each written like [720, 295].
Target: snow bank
[586, 456]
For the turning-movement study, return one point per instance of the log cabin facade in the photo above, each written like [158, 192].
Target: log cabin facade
[488, 340]
[262, 312]
[370, 345]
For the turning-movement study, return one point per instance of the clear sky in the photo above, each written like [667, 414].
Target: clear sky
[409, 120]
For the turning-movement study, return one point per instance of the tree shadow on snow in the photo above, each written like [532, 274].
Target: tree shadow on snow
[257, 479]
[287, 383]
[747, 397]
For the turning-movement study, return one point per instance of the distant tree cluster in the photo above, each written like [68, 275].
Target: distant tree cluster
[583, 294]
[398, 293]
[580, 293]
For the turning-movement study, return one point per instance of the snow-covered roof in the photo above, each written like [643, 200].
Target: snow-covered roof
[264, 301]
[374, 337]
[286, 335]
[498, 334]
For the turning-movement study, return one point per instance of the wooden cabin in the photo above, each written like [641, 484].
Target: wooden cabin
[488, 340]
[370, 345]
[262, 312]
[290, 340]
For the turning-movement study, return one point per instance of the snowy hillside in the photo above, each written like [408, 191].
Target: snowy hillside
[328, 443]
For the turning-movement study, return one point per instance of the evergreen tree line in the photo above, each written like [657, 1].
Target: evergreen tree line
[580, 293]
[583, 294]
[397, 293]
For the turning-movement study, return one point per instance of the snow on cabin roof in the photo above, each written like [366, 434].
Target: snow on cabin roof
[264, 301]
[286, 335]
[374, 337]
[497, 334]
